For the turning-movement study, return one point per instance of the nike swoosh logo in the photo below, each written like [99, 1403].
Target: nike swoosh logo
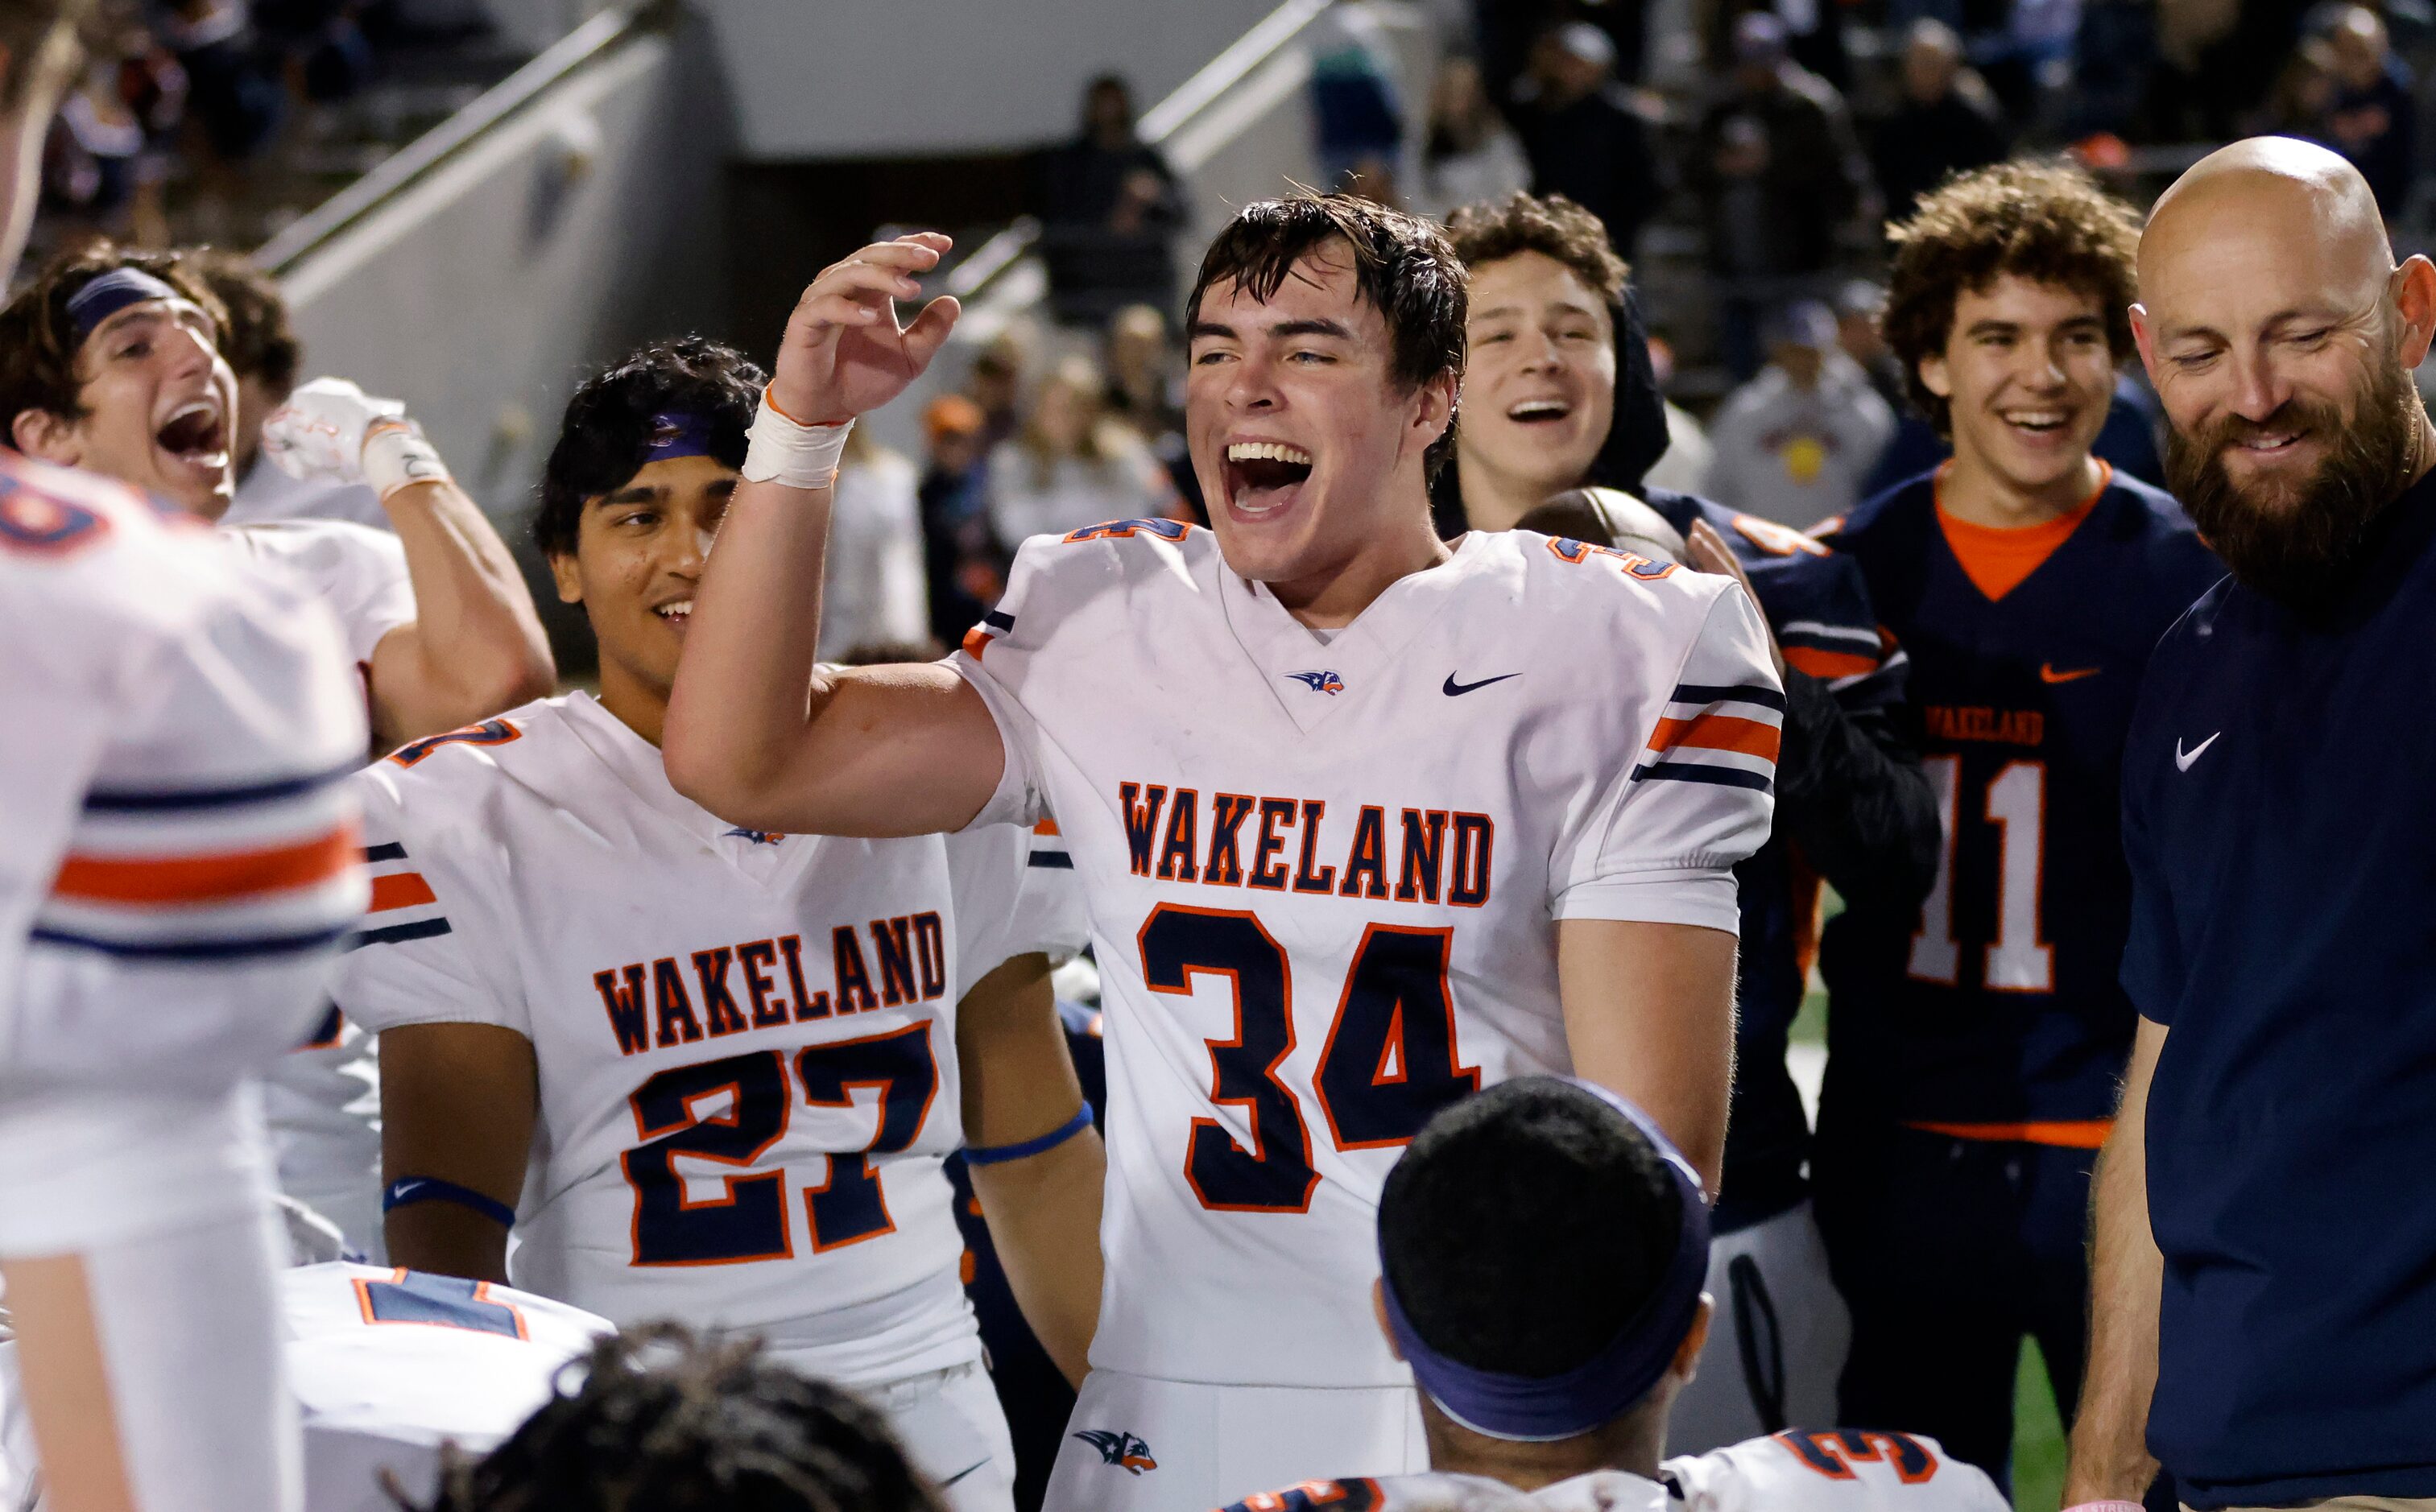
[962, 1473]
[2182, 758]
[1456, 689]
[2048, 674]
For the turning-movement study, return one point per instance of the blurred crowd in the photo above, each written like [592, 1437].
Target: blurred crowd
[190, 113]
[1743, 157]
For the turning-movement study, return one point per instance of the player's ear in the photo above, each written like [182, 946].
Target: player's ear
[562, 572]
[1686, 1362]
[1934, 377]
[46, 437]
[1379, 1312]
[1435, 408]
[2144, 340]
[2414, 301]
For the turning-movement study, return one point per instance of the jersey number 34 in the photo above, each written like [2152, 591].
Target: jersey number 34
[1389, 1063]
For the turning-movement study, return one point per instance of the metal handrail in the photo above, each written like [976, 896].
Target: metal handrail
[562, 57]
[1208, 86]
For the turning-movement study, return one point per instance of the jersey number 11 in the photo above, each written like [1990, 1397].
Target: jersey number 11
[2016, 804]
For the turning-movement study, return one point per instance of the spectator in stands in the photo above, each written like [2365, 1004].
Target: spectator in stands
[1778, 171]
[1948, 121]
[962, 565]
[1583, 134]
[1146, 392]
[1795, 443]
[875, 591]
[262, 349]
[236, 101]
[1359, 123]
[104, 161]
[995, 382]
[1072, 465]
[1858, 305]
[1470, 153]
[2370, 118]
[1108, 208]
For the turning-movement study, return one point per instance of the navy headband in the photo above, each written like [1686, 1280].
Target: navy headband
[1541, 1409]
[679, 433]
[103, 297]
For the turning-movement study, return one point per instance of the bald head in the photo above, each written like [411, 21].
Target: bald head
[2267, 200]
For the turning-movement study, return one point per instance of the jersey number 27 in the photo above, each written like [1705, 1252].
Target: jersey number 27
[1389, 1063]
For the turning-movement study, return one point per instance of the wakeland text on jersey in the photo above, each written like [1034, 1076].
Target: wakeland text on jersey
[1439, 852]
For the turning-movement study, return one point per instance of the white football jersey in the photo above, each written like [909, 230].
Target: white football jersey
[181, 860]
[322, 1102]
[1794, 1472]
[388, 1366]
[746, 1042]
[1322, 875]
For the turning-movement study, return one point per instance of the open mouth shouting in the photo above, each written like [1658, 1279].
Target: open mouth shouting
[1264, 477]
[196, 435]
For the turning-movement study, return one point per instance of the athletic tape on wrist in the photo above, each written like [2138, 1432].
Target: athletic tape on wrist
[2106, 1506]
[396, 456]
[408, 1191]
[999, 1154]
[787, 452]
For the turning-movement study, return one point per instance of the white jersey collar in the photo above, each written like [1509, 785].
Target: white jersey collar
[1289, 655]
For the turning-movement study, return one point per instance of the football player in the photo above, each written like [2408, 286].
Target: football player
[179, 864]
[660, 1420]
[1542, 1249]
[1976, 1041]
[388, 1368]
[733, 1059]
[1561, 395]
[1360, 823]
[110, 362]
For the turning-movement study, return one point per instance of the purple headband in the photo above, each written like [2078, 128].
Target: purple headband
[1541, 1409]
[679, 433]
[103, 297]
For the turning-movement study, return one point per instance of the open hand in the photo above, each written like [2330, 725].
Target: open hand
[844, 354]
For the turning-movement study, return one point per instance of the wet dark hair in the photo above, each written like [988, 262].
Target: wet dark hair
[39, 341]
[607, 433]
[1404, 267]
[664, 1421]
[1525, 1225]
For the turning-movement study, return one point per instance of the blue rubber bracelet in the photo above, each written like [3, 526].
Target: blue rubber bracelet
[408, 1191]
[999, 1154]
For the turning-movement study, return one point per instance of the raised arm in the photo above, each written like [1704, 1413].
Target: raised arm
[755, 733]
[475, 646]
[1649, 1015]
[2110, 1460]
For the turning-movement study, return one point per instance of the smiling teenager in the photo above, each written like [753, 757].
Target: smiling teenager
[1361, 823]
[578, 962]
[1561, 395]
[1976, 1041]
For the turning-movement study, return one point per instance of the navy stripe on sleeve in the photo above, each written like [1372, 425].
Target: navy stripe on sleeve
[392, 934]
[1766, 698]
[1721, 777]
[205, 949]
[107, 801]
[1057, 858]
[374, 854]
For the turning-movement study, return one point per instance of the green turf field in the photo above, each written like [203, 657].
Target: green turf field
[2038, 1432]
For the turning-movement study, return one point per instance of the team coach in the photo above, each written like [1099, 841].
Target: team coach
[2266, 1224]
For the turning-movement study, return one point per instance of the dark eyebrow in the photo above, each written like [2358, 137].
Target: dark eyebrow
[638, 494]
[723, 489]
[1210, 328]
[1993, 328]
[1330, 328]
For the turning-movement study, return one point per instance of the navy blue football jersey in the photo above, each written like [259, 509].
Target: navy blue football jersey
[1992, 1010]
[1819, 607]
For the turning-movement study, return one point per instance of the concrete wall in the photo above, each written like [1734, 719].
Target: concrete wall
[843, 78]
[578, 227]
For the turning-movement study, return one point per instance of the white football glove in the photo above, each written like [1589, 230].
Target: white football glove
[329, 428]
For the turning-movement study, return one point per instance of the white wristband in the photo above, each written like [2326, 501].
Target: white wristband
[395, 455]
[781, 451]
[2106, 1506]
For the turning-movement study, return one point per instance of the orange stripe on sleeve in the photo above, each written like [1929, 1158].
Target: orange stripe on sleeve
[2070, 1133]
[207, 879]
[1718, 732]
[1826, 665]
[976, 641]
[1046, 826]
[400, 890]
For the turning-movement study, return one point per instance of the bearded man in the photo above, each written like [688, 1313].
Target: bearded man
[2263, 1322]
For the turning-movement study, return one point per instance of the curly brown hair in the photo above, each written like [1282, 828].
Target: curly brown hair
[2048, 222]
[38, 341]
[1552, 225]
[260, 341]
